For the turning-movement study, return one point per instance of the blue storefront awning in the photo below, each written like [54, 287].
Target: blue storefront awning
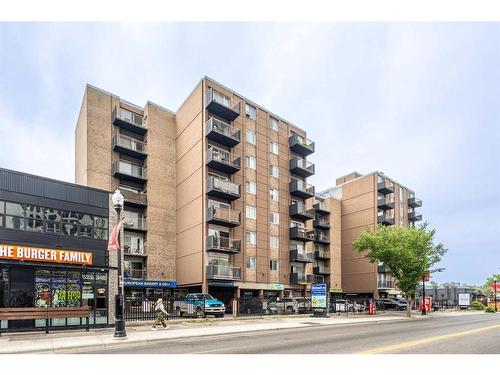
[139, 283]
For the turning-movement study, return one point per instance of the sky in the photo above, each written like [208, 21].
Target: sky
[419, 102]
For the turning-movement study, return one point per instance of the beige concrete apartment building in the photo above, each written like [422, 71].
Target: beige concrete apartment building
[216, 194]
[366, 201]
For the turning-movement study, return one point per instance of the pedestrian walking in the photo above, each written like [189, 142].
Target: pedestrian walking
[161, 314]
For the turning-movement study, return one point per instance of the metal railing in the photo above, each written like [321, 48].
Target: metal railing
[223, 185]
[320, 222]
[223, 156]
[134, 250]
[134, 273]
[131, 169]
[301, 233]
[129, 143]
[302, 164]
[322, 254]
[223, 214]
[299, 208]
[296, 139]
[213, 95]
[128, 116]
[223, 244]
[138, 197]
[134, 222]
[299, 255]
[222, 128]
[321, 270]
[321, 206]
[299, 185]
[223, 272]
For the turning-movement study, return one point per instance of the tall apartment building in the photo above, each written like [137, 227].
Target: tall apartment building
[366, 201]
[217, 190]
[122, 146]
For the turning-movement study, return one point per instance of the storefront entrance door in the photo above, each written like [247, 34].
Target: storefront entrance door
[22, 294]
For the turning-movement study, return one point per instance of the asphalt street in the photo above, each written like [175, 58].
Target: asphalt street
[467, 334]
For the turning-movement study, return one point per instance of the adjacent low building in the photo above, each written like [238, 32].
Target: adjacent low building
[53, 239]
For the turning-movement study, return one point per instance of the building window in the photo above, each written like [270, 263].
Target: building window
[274, 171]
[274, 242]
[251, 137]
[273, 123]
[251, 262]
[250, 111]
[273, 147]
[251, 187]
[251, 162]
[273, 265]
[251, 212]
[274, 217]
[274, 194]
[251, 238]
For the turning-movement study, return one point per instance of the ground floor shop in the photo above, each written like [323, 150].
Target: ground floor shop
[34, 285]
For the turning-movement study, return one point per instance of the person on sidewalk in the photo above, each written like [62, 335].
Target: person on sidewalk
[161, 313]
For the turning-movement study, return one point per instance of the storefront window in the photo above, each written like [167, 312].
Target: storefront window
[101, 287]
[58, 295]
[4, 292]
[43, 297]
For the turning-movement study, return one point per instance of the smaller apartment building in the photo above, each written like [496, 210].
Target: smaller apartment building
[366, 201]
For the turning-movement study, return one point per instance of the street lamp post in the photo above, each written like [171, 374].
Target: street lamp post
[120, 332]
[424, 312]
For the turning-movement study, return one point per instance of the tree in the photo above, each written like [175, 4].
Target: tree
[486, 288]
[406, 253]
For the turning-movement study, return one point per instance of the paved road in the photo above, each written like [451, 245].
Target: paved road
[468, 333]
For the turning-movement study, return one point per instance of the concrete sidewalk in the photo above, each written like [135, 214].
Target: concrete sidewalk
[59, 342]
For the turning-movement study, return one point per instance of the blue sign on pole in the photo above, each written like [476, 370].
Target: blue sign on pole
[139, 283]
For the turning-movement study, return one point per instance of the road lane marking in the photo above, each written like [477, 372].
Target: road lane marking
[428, 340]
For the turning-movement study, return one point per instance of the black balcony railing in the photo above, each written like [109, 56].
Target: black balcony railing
[321, 254]
[321, 270]
[386, 219]
[129, 146]
[128, 120]
[134, 273]
[217, 243]
[301, 189]
[219, 104]
[414, 216]
[138, 199]
[223, 216]
[385, 202]
[321, 208]
[321, 237]
[216, 272]
[221, 132]
[301, 167]
[301, 145]
[414, 202]
[223, 160]
[129, 171]
[300, 256]
[320, 222]
[385, 186]
[298, 211]
[301, 234]
[221, 188]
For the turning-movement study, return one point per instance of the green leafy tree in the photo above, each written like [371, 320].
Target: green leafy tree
[406, 253]
[486, 288]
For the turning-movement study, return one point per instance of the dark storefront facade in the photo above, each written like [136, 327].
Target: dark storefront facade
[53, 239]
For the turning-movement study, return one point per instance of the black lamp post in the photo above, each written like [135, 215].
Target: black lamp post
[120, 332]
[424, 312]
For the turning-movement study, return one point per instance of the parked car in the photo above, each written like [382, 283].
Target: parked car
[250, 306]
[199, 304]
[390, 304]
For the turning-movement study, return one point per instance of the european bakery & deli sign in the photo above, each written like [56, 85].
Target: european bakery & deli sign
[37, 254]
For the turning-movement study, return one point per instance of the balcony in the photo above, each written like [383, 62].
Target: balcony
[386, 284]
[220, 188]
[321, 208]
[301, 145]
[215, 272]
[220, 105]
[301, 167]
[223, 160]
[137, 199]
[134, 222]
[221, 132]
[321, 270]
[301, 234]
[129, 171]
[321, 254]
[298, 211]
[134, 250]
[414, 216]
[129, 146]
[414, 202]
[301, 278]
[223, 216]
[320, 222]
[385, 203]
[385, 187]
[225, 244]
[321, 237]
[133, 273]
[300, 256]
[129, 121]
[385, 219]
[301, 189]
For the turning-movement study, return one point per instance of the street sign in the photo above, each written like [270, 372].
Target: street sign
[428, 301]
[464, 299]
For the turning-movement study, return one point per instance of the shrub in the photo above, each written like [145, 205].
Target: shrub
[476, 305]
[490, 309]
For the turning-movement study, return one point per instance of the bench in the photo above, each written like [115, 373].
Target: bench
[28, 313]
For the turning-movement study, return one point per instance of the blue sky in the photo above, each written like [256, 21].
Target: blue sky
[417, 101]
